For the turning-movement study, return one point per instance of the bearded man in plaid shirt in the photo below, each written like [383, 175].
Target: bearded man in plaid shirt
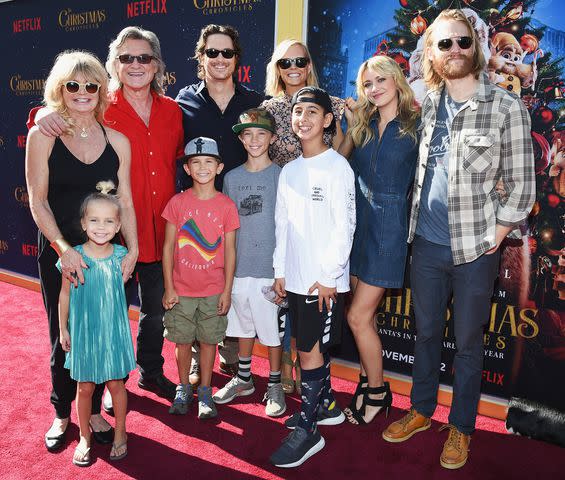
[474, 134]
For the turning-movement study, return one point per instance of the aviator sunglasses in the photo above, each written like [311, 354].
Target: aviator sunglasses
[213, 52]
[464, 43]
[74, 87]
[144, 58]
[300, 62]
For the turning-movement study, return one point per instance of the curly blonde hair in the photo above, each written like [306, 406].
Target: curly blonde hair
[274, 85]
[67, 66]
[432, 79]
[408, 113]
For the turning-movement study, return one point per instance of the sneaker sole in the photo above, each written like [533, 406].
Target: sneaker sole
[315, 449]
[245, 393]
[278, 414]
[326, 421]
[452, 466]
[178, 411]
[403, 439]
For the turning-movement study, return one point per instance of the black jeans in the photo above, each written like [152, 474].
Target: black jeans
[150, 330]
[63, 390]
[434, 279]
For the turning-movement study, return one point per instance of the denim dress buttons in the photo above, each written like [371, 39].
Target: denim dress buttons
[384, 172]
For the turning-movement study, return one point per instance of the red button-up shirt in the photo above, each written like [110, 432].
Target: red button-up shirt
[154, 150]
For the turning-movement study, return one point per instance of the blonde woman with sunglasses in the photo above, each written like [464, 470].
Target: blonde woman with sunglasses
[60, 173]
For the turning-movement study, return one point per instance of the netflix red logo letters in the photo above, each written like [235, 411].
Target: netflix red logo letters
[147, 7]
[26, 25]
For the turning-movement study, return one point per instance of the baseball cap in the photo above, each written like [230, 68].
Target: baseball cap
[255, 117]
[202, 146]
[314, 95]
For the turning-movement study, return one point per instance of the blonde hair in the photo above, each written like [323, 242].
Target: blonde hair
[433, 79]
[274, 84]
[361, 133]
[67, 66]
[136, 33]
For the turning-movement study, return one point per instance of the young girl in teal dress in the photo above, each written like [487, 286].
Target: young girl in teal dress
[94, 324]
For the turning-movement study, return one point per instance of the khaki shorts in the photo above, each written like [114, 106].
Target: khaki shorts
[195, 318]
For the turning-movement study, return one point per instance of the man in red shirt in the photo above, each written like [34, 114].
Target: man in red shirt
[153, 124]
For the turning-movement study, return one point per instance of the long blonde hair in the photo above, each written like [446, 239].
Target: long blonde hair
[67, 66]
[274, 86]
[432, 79]
[361, 133]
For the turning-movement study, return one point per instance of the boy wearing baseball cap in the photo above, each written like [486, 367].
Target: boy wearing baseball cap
[198, 270]
[314, 225]
[253, 188]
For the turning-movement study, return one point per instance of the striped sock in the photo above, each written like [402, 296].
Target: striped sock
[274, 377]
[244, 369]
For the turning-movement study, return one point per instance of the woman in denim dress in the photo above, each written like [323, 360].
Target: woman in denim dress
[382, 134]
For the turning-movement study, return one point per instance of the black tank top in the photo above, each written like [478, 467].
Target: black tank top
[71, 180]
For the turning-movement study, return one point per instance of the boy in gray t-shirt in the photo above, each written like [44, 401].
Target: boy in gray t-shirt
[253, 188]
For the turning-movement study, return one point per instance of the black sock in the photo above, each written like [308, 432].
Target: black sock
[327, 399]
[274, 377]
[244, 368]
[312, 385]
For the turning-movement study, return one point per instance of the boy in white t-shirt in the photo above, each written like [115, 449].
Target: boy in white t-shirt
[315, 223]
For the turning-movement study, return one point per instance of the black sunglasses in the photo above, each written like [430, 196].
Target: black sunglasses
[300, 62]
[144, 58]
[213, 52]
[464, 43]
[74, 87]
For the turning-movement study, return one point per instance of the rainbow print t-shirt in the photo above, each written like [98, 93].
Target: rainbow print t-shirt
[199, 247]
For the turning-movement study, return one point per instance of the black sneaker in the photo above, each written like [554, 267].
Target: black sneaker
[297, 448]
[160, 385]
[326, 416]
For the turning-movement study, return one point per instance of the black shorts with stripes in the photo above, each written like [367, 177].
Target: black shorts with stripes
[310, 326]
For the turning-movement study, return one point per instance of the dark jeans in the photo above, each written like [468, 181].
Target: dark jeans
[434, 279]
[150, 329]
[63, 390]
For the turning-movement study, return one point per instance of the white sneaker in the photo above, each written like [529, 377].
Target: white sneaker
[276, 404]
[236, 387]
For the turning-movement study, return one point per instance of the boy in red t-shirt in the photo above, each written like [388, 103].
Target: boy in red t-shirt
[198, 270]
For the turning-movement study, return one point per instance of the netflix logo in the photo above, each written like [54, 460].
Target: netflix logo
[147, 7]
[29, 250]
[26, 25]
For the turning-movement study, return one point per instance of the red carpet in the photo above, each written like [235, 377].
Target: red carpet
[238, 445]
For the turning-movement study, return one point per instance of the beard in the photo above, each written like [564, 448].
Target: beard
[447, 69]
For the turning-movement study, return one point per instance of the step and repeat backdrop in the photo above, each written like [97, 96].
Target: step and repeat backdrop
[525, 335]
[33, 32]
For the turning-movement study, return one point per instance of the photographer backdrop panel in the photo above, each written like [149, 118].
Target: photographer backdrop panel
[33, 32]
[525, 334]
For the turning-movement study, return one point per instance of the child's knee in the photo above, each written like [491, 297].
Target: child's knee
[86, 389]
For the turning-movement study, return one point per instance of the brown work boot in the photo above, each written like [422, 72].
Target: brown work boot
[455, 449]
[407, 426]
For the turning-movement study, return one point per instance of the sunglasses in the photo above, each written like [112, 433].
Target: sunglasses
[144, 58]
[300, 62]
[74, 87]
[213, 52]
[464, 43]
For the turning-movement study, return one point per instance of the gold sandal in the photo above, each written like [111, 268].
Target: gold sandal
[287, 382]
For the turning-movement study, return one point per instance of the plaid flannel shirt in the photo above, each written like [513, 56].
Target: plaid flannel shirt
[490, 140]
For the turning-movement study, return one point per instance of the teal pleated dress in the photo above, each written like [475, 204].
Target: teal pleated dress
[101, 344]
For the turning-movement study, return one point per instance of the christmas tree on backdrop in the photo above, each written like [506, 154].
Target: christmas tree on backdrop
[543, 94]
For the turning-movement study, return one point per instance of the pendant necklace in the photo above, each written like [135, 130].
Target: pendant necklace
[83, 133]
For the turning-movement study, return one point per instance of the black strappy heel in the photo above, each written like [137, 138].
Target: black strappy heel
[385, 403]
[359, 390]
